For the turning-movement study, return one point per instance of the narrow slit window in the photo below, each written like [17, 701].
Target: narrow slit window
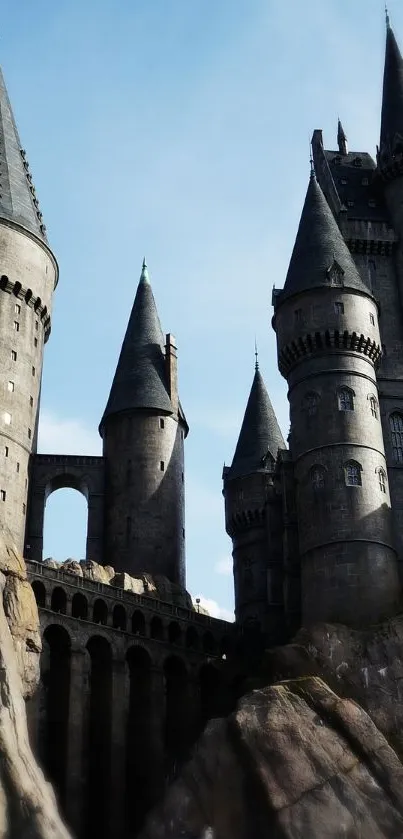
[7, 418]
[29, 433]
[162, 465]
[382, 480]
[318, 478]
[35, 342]
[162, 423]
[10, 387]
[31, 401]
[18, 467]
[33, 371]
[16, 326]
[372, 319]
[17, 309]
[396, 428]
[13, 355]
[374, 407]
[339, 308]
[36, 325]
[2, 494]
[6, 450]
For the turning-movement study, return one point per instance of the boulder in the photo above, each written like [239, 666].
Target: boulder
[128, 583]
[93, 571]
[71, 566]
[294, 761]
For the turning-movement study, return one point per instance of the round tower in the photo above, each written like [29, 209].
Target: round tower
[143, 430]
[28, 276]
[253, 517]
[326, 322]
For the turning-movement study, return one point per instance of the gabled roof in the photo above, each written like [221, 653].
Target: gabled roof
[18, 201]
[319, 248]
[140, 378]
[392, 98]
[260, 434]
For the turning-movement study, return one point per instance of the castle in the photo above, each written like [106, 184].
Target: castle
[131, 671]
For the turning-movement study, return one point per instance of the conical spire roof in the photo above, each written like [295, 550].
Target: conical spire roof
[260, 434]
[392, 98]
[320, 256]
[18, 201]
[140, 378]
[341, 138]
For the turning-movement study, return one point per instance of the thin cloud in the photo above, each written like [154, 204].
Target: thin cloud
[224, 566]
[66, 436]
[214, 609]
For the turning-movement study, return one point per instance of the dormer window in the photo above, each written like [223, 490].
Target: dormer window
[337, 161]
[335, 273]
[350, 203]
[372, 202]
[343, 181]
[365, 182]
[357, 161]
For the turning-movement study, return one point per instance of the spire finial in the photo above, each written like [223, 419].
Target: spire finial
[341, 138]
[387, 17]
[312, 175]
[256, 357]
[144, 272]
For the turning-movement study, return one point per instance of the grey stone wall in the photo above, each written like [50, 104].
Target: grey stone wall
[253, 519]
[28, 275]
[145, 494]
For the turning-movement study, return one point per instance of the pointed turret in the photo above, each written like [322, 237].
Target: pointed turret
[391, 141]
[320, 256]
[143, 430]
[341, 139]
[18, 202]
[140, 379]
[260, 434]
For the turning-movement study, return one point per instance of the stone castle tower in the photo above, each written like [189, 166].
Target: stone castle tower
[335, 498]
[29, 274]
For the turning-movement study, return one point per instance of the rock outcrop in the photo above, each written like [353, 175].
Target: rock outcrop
[146, 584]
[294, 761]
[27, 804]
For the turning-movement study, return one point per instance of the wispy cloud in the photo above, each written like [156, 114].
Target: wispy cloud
[66, 436]
[224, 566]
[214, 609]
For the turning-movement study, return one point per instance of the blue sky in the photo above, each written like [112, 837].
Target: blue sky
[179, 130]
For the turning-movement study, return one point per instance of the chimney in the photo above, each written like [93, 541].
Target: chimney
[171, 364]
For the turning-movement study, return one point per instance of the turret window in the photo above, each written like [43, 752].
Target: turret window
[318, 478]
[299, 316]
[16, 326]
[382, 480]
[311, 401]
[10, 387]
[13, 355]
[339, 308]
[7, 418]
[2, 494]
[162, 465]
[162, 423]
[17, 309]
[352, 473]
[346, 399]
[396, 428]
[374, 406]
[372, 319]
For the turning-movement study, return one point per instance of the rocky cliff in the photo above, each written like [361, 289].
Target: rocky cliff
[315, 756]
[27, 804]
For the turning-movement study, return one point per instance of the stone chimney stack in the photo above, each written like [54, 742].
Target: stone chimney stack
[171, 362]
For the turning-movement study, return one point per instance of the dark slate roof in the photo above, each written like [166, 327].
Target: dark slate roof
[260, 434]
[319, 250]
[140, 378]
[392, 99]
[355, 178]
[17, 194]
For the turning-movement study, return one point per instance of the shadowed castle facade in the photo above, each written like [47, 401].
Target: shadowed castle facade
[130, 670]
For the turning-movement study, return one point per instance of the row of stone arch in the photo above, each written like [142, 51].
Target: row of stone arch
[135, 623]
[157, 739]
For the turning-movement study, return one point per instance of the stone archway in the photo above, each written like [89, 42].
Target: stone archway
[50, 473]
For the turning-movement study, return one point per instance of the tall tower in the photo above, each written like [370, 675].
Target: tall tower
[143, 430]
[326, 321]
[389, 288]
[253, 516]
[28, 276]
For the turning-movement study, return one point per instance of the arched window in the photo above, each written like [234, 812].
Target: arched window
[59, 600]
[318, 477]
[374, 406]
[382, 480]
[396, 428]
[346, 399]
[40, 593]
[352, 472]
[311, 401]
